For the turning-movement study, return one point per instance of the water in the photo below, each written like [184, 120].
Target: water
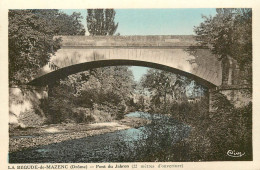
[131, 145]
[23, 137]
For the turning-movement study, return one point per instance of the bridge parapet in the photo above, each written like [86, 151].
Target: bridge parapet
[128, 41]
[79, 53]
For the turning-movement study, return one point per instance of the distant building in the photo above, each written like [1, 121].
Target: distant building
[194, 99]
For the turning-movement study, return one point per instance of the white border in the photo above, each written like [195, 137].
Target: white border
[84, 4]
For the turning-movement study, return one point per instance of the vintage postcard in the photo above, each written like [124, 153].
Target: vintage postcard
[105, 85]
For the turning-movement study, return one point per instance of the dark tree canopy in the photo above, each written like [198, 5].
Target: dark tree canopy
[162, 84]
[62, 24]
[107, 89]
[165, 92]
[101, 21]
[229, 34]
[31, 42]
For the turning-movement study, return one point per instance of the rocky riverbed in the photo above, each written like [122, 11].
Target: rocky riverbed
[23, 138]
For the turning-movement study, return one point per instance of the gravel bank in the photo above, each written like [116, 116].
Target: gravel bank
[20, 139]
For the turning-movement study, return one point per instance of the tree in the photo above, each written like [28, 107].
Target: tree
[62, 24]
[31, 39]
[117, 80]
[108, 90]
[164, 87]
[162, 83]
[167, 89]
[229, 34]
[101, 22]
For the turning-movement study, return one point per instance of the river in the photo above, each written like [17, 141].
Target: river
[131, 145]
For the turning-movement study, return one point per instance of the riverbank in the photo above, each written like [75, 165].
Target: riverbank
[23, 138]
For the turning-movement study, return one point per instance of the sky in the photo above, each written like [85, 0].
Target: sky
[154, 22]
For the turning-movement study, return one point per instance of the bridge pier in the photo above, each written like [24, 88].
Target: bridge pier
[238, 95]
[24, 105]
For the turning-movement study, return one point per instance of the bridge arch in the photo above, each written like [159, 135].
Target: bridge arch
[61, 73]
[79, 53]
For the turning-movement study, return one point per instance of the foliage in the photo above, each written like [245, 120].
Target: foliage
[61, 23]
[234, 129]
[214, 133]
[107, 89]
[229, 34]
[166, 88]
[101, 22]
[31, 42]
[111, 86]
[60, 104]
[211, 135]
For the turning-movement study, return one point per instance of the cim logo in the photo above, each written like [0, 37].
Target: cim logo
[234, 153]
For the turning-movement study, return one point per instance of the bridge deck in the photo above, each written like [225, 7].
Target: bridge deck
[164, 51]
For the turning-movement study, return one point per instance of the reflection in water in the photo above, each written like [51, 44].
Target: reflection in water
[131, 145]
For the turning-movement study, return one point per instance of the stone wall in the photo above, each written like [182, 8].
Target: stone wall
[232, 74]
[24, 105]
[238, 95]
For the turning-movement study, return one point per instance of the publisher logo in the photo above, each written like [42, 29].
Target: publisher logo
[234, 153]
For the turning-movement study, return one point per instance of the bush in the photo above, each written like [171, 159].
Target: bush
[213, 134]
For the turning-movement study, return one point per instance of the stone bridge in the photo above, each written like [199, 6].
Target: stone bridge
[178, 54]
[172, 53]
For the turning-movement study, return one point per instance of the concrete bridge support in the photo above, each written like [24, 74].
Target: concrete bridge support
[234, 85]
[238, 95]
[24, 105]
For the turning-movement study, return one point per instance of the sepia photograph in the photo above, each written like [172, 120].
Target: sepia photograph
[130, 85]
